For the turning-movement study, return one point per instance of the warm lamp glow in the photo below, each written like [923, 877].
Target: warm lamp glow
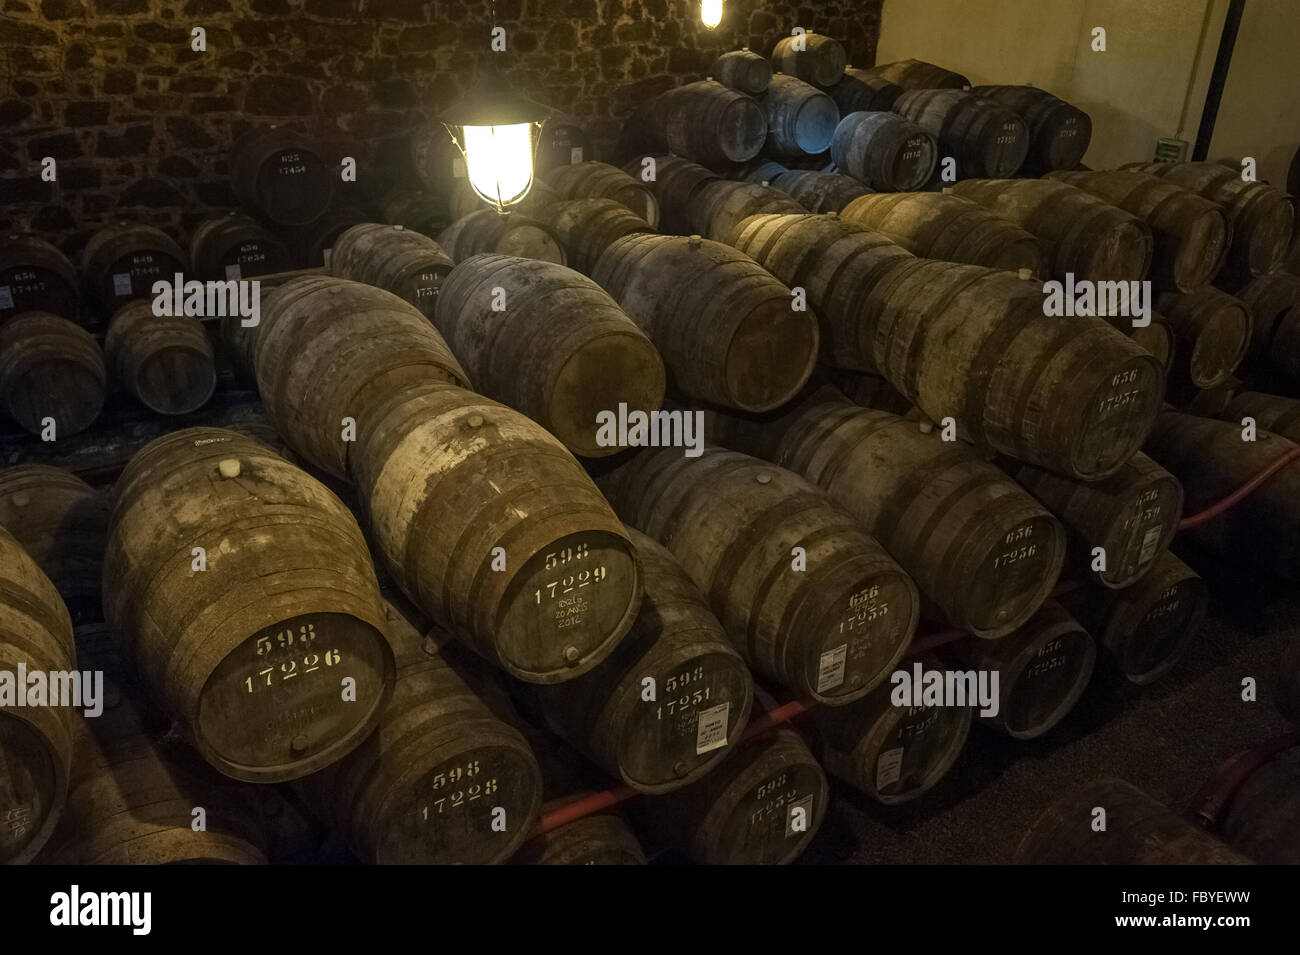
[711, 12]
[499, 161]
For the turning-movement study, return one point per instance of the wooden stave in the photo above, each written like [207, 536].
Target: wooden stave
[137, 339]
[820, 192]
[719, 206]
[409, 264]
[33, 339]
[861, 90]
[742, 70]
[107, 248]
[587, 227]
[915, 74]
[820, 63]
[1212, 327]
[674, 190]
[853, 153]
[598, 180]
[512, 234]
[1047, 116]
[1273, 302]
[687, 119]
[791, 106]
[965, 126]
[259, 146]
[599, 839]
[214, 239]
[58, 291]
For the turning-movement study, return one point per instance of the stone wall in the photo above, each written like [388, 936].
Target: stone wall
[140, 125]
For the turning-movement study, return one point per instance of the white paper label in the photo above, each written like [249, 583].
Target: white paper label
[889, 767]
[575, 155]
[458, 167]
[711, 728]
[326, 256]
[232, 272]
[830, 672]
[6, 297]
[1149, 542]
[121, 283]
[806, 804]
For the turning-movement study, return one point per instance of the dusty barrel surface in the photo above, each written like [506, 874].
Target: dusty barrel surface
[801, 119]
[675, 182]
[1273, 302]
[1260, 217]
[812, 57]
[1058, 132]
[986, 139]
[1274, 413]
[282, 173]
[760, 171]
[166, 363]
[410, 265]
[1158, 339]
[819, 191]
[1191, 233]
[1132, 515]
[1263, 819]
[456, 486]
[742, 70]
[725, 327]
[1213, 332]
[248, 651]
[866, 390]
[720, 206]
[861, 90]
[511, 234]
[600, 839]
[884, 150]
[423, 789]
[976, 544]
[1081, 234]
[35, 277]
[598, 180]
[36, 741]
[1075, 397]
[122, 261]
[51, 369]
[707, 122]
[1043, 669]
[587, 227]
[1211, 460]
[830, 631]
[703, 691]
[762, 806]
[920, 75]
[940, 225]
[561, 350]
[838, 263]
[235, 246]
[1139, 831]
[61, 522]
[892, 753]
[328, 350]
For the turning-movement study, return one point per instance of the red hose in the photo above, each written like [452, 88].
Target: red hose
[1214, 510]
[1214, 796]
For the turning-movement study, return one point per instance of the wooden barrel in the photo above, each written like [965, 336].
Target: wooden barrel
[1191, 233]
[892, 753]
[940, 225]
[425, 787]
[511, 234]
[744, 812]
[812, 57]
[448, 478]
[599, 839]
[35, 277]
[432, 156]
[61, 522]
[132, 800]
[801, 119]
[53, 369]
[820, 191]
[288, 578]
[410, 265]
[861, 90]
[561, 350]
[759, 171]
[724, 326]
[707, 122]
[866, 391]
[1213, 332]
[1273, 302]
[122, 261]
[362, 340]
[987, 139]
[1263, 819]
[235, 246]
[1132, 515]
[1043, 668]
[587, 227]
[1073, 396]
[598, 180]
[1081, 234]
[1139, 831]
[35, 741]
[167, 363]
[1058, 132]
[1272, 413]
[742, 70]
[675, 182]
[465, 201]
[702, 690]
[829, 624]
[419, 211]
[1158, 339]
[977, 545]
[313, 244]
[1260, 218]
[718, 207]
[283, 174]
[884, 150]
[562, 142]
[1212, 461]
[838, 263]
[919, 75]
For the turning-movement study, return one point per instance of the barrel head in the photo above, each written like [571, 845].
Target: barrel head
[32, 786]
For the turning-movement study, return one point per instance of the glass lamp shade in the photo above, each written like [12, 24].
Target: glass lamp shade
[711, 13]
[499, 161]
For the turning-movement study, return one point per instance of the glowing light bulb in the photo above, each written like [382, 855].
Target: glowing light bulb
[499, 161]
[711, 12]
